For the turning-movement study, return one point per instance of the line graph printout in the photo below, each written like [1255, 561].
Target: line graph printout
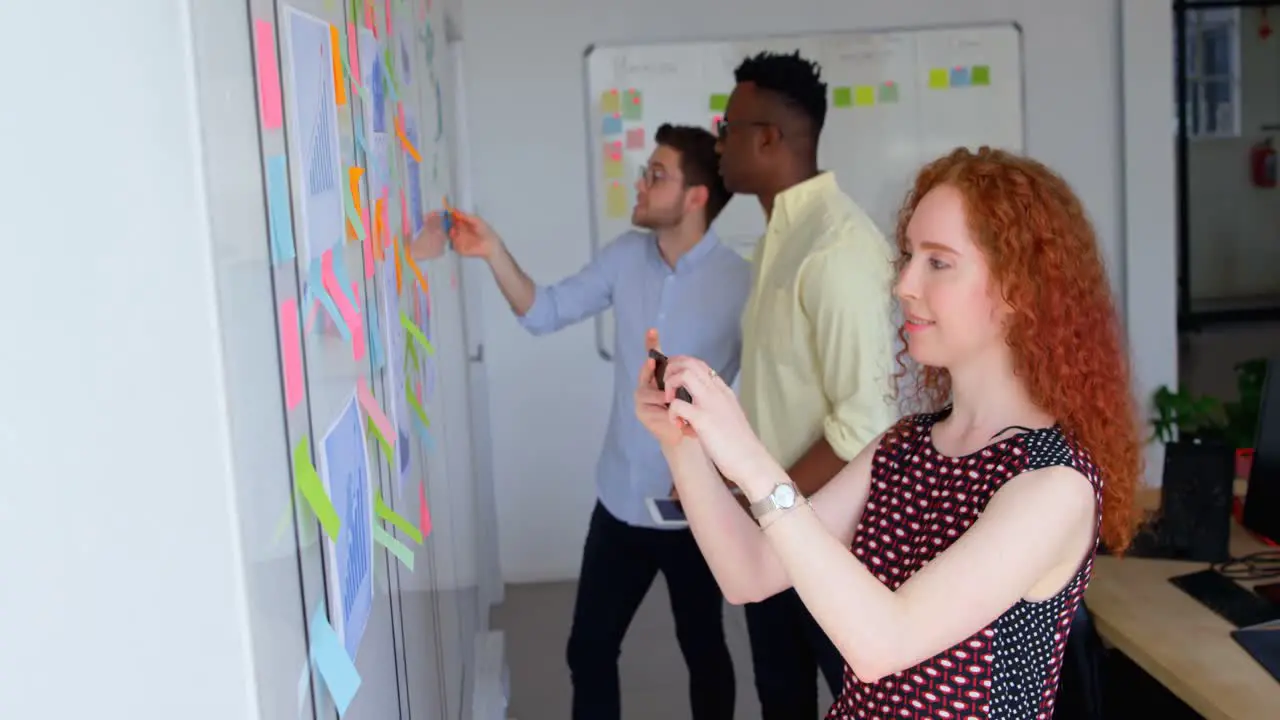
[313, 119]
[344, 469]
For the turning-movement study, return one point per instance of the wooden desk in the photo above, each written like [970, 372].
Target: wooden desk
[1182, 644]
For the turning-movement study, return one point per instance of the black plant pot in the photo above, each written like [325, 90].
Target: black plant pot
[1196, 497]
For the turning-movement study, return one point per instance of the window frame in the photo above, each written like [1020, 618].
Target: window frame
[1200, 22]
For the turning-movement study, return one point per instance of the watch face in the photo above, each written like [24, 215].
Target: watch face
[784, 496]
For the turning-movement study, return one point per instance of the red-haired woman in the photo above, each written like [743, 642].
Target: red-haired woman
[973, 526]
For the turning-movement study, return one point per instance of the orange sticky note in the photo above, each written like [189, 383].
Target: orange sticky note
[404, 140]
[353, 177]
[291, 352]
[417, 271]
[335, 50]
[379, 227]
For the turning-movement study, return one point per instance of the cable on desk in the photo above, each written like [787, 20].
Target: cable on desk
[1262, 565]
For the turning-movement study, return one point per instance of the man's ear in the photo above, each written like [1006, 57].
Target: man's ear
[696, 197]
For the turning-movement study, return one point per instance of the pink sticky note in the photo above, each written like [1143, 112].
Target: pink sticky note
[404, 215]
[388, 7]
[635, 139]
[425, 512]
[264, 41]
[372, 409]
[339, 295]
[353, 50]
[291, 352]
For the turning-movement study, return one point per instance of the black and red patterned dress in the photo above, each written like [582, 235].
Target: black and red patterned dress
[920, 502]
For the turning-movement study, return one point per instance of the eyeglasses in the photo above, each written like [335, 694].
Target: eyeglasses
[651, 176]
[722, 127]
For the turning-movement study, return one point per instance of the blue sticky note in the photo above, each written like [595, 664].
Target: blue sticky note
[279, 221]
[336, 668]
[316, 289]
[424, 434]
[612, 125]
[359, 128]
[959, 77]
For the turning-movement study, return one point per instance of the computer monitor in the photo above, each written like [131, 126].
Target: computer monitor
[1262, 500]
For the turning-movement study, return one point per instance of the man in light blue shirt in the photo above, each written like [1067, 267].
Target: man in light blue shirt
[674, 276]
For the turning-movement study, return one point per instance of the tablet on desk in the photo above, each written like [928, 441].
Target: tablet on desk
[667, 512]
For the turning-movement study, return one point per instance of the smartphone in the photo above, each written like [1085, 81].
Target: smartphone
[667, 512]
[660, 372]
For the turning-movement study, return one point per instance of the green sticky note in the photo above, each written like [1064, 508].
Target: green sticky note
[387, 452]
[384, 511]
[864, 95]
[632, 105]
[939, 79]
[416, 333]
[308, 480]
[842, 97]
[719, 102]
[415, 405]
[394, 546]
[889, 92]
[980, 75]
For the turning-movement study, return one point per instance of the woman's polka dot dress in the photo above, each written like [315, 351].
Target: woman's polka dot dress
[920, 502]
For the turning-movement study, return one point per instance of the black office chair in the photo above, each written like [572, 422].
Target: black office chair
[1080, 688]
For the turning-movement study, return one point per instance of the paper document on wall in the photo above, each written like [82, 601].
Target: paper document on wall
[344, 468]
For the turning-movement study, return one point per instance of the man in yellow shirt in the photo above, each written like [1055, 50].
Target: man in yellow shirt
[817, 360]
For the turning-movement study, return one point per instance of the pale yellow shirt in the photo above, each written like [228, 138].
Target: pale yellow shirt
[818, 339]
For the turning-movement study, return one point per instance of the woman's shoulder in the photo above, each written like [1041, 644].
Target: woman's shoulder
[911, 428]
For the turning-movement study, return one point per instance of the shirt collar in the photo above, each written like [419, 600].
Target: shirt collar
[704, 246]
[792, 204]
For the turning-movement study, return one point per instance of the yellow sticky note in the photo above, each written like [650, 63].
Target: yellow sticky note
[864, 95]
[939, 78]
[614, 169]
[610, 102]
[615, 202]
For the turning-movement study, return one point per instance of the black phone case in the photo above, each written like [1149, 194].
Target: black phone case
[659, 376]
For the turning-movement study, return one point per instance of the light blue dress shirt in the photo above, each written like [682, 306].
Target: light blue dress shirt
[697, 310]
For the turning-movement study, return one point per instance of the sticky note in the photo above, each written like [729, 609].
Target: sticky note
[264, 53]
[384, 511]
[864, 95]
[279, 220]
[612, 125]
[423, 510]
[635, 139]
[416, 333]
[614, 169]
[309, 483]
[291, 351]
[353, 52]
[842, 97]
[404, 140]
[416, 405]
[889, 92]
[316, 288]
[615, 201]
[613, 150]
[960, 77]
[334, 276]
[719, 102]
[394, 546]
[339, 83]
[632, 105]
[938, 78]
[335, 665]
[351, 201]
[980, 75]
[610, 102]
[417, 272]
[373, 410]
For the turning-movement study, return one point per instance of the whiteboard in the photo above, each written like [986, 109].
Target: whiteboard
[896, 100]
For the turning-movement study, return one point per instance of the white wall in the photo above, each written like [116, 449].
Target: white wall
[525, 92]
[124, 594]
[1234, 240]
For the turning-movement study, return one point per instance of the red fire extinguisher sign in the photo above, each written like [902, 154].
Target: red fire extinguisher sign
[1262, 162]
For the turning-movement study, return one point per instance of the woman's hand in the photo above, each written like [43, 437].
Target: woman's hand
[651, 403]
[719, 423]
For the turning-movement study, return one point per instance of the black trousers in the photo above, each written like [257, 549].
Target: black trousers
[788, 647]
[619, 564]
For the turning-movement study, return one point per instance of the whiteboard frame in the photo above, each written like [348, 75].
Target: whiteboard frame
[596, 243]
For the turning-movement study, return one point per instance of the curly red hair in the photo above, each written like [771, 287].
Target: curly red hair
[1064, 330]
